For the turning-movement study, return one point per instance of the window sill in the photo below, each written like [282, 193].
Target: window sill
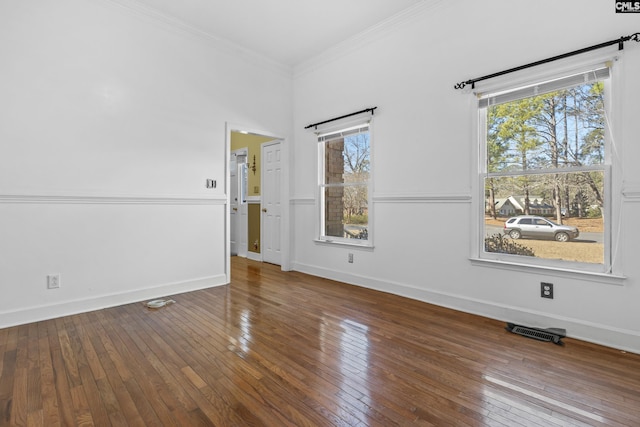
[610, 279]
[365, 247]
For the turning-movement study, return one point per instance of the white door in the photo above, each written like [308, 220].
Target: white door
[271, 217]
[238, 202]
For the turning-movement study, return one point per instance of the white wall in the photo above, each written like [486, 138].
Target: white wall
[424, 155]
[110, 123]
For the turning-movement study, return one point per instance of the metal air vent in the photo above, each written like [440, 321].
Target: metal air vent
[552, 334]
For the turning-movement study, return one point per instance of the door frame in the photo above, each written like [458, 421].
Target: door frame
[284, 193]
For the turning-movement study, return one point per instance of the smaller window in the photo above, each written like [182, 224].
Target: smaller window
[345, 169]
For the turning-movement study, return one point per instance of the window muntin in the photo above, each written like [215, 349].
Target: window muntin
[545, 155]
[345, 169]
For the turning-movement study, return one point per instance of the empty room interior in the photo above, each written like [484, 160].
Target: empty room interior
[353, 213]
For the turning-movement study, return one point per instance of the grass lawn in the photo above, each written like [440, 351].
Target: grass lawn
[590, 252]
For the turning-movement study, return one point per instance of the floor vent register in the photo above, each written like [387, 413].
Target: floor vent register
[554, 335]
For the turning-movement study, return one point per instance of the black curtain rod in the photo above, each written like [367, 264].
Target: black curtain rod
[341, 117]
[619, 42]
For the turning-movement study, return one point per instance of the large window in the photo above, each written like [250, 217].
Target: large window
[345, 169]
[544, 172]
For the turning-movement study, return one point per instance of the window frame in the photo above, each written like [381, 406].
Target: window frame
[339, 128]
[609, 268]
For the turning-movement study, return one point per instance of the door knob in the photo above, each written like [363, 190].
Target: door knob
[235, 209]
[264, 209]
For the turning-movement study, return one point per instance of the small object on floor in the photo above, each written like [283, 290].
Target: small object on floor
[159, 303]
[551, 334]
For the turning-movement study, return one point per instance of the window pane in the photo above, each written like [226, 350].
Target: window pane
[347, 159]
[567, 201]
[346, 212]
[346, 168]
[554, 130]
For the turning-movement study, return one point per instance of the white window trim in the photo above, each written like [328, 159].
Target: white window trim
[336, 127]
[610, 271]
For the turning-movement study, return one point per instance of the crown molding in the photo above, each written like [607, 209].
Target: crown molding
[172, 23]
[368, 36]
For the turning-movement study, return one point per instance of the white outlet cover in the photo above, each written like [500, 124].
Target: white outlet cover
[53, 281]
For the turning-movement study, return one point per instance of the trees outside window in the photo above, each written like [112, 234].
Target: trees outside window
[345, 169]
[545, 155]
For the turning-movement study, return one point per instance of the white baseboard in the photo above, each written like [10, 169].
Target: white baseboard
[45, 312]
[621, 339]
[254, 256]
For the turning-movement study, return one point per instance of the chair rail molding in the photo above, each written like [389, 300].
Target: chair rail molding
[113, 199]
[422, 198]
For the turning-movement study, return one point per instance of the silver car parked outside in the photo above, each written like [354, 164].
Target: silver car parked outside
[538, 227]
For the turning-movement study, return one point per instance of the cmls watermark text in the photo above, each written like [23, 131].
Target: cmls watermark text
[627, 6]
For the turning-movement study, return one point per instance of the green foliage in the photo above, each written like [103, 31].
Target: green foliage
[358, 219]
[500, 244]
[594, 212]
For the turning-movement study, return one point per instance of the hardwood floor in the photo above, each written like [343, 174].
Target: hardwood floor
[287, 349]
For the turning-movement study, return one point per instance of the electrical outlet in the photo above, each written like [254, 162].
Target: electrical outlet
[53, 281]
[546, 290]
[350, 258]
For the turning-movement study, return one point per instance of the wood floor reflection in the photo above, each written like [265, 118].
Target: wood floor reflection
[287, 349]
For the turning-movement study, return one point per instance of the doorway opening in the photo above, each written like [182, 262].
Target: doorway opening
[255, 189]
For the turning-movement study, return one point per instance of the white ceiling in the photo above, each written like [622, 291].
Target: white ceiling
[286, 31]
